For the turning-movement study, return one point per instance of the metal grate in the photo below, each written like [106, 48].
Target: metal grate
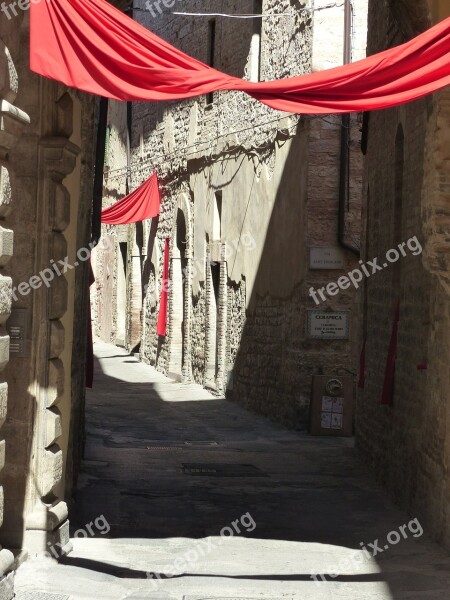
[201, 443]
[39, 596]
[222, 470]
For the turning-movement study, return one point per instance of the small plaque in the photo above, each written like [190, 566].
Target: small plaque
[16, 327]
[325, 325]
[326, 257]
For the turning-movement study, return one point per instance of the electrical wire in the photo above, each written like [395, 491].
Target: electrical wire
[247, 15]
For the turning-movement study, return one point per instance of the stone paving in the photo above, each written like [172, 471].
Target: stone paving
[187, 496]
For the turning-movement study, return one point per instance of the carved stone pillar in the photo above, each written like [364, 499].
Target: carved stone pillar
[46, 523]
[12, 120]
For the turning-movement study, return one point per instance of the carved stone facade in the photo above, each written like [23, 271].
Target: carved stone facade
[408, 194]
[45, 211]
[245, 192]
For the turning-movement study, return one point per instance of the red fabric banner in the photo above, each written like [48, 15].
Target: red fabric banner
[90, 338]
[92, 46]
[143, 203]
[161, 328]
[387, 396]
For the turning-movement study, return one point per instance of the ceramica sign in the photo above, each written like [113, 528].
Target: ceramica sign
[324, 325]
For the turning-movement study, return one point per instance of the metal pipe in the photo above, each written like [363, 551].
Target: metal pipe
[344, 171]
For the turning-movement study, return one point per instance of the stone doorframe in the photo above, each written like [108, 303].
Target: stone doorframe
[12, 121]
[216, 348]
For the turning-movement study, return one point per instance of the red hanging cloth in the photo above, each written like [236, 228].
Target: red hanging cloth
[141, 204]
[90, 339]
[387, 396]
[161, 328]
[92, 46]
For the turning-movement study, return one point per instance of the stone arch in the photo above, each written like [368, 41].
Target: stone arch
[180, 298]
[151, 281]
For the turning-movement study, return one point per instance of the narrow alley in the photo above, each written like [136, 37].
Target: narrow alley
[246, 507]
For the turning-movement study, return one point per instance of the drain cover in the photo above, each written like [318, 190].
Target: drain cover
[222, 470]
[39, 596]
[201, 443]
[173, 448]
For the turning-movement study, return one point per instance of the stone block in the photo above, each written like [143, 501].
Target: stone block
[53, 426]
[5, 298]
[58, 247]
[59, 207]
[5, 192]
[2, 454]
[4, 351]
[57, 298]
[39, 542]
[6, 562]
[52, 468]
[47, 517]
[7, 586]
[55, 381]
[3, 402]
[6, 245]
[57, 336]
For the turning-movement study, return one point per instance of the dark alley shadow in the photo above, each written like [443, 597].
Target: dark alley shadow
[124, 573]
[307, 490]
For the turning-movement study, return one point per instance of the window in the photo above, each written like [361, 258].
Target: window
[217, 217]
[107, 143]
[255, 48]
[211, 52]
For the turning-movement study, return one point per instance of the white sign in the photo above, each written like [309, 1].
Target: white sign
[324, 325]
[326, 257]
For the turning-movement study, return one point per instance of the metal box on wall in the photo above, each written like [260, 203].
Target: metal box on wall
[331, 410]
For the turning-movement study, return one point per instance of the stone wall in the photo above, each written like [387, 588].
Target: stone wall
[407, 443]
[44, 158]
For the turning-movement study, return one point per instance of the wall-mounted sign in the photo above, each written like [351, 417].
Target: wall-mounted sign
[326, 257]
[16, 326]
[325, 325]
[331, 405]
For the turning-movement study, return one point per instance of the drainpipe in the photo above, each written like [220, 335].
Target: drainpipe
[96, 226]
[344, 171]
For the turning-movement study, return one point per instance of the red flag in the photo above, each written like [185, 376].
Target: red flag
[141, 204]
[162, 315]
[92, 46]
[389, 374]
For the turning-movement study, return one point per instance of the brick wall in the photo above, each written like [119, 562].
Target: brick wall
[408, 443]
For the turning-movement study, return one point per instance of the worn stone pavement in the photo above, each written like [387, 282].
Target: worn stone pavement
[312, 502]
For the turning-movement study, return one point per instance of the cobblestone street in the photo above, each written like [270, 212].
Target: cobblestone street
[169, 467]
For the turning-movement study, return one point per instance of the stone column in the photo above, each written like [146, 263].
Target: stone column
[187, 276]
[12, 120]
[222, 323]
[46, 523]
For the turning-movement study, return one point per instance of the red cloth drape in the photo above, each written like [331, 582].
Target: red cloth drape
[141, 204]
[387, 396]
[161, 328]
[92, 46]
[90, 339]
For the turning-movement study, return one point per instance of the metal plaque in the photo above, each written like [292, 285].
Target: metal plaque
[17, 328]
[326, 257]
[327, 325]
